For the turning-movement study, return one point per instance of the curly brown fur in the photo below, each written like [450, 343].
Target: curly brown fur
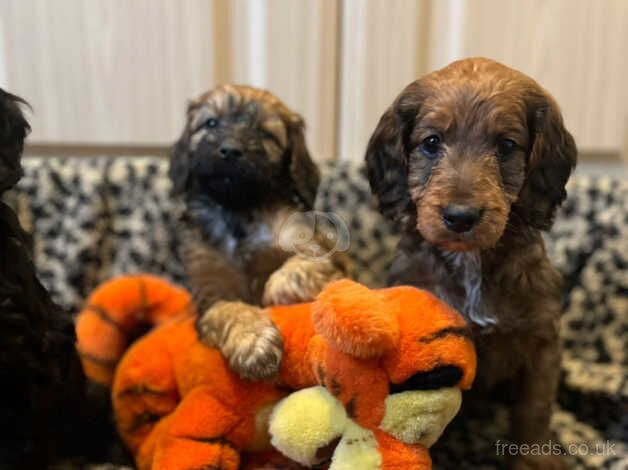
[243, 167]
[472, 161]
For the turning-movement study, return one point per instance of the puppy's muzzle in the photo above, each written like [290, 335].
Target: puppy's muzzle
[459, 218]
[230, 150]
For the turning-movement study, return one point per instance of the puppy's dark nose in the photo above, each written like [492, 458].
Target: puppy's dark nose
[460, 218]
[230, 150]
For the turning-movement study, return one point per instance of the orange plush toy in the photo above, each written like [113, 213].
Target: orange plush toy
[368, 379]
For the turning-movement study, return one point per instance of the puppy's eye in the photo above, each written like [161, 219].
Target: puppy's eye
[505, 147]
[272, 137]
[430, 147]
[211, 123]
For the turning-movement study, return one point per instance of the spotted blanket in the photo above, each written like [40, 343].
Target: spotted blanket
[95, 218]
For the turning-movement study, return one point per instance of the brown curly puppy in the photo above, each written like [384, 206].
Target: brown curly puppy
[243, 167]
[472, 161]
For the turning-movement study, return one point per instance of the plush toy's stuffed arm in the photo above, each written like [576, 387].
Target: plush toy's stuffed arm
[306, 422]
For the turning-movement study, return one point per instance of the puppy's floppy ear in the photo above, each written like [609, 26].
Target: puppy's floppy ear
[179, 170]
[552, 157]
[13, 130]
[304, 173]
[386, 159]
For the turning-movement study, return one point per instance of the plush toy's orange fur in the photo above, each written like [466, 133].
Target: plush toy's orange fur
[178, 406]
[116, 312]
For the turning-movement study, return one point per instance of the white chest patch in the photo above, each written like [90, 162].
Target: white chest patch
[228, 233]
[468, 269]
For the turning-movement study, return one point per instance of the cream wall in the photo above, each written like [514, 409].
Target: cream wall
[574, 48]
[118, 72]
[113, 72]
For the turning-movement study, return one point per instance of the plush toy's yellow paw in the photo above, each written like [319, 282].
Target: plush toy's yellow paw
[306, 421]
[358, 448]
[420, 417]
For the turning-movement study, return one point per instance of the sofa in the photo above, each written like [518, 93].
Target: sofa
[98, 217]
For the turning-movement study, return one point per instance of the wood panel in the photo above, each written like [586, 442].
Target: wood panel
[114, 71]
[118, 72]
[382, 51]
[574, 48]
[290, 48]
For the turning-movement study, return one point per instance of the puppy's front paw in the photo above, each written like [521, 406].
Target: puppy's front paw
[285, 289]
[539, 462]
[246, 336]
[255, 351]
[299, 280]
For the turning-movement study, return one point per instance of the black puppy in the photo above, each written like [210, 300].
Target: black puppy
[43, 406]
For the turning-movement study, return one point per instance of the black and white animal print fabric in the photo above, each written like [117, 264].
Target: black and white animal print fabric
[96, 218]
